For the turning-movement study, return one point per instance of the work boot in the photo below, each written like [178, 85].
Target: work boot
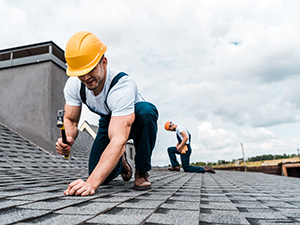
[126, 169]
[174, 168]
[209, 169]
[142, 181]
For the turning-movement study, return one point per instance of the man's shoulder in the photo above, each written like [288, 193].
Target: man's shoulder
[180, 128]
[72, 91]
[123, 82]
[111, 74]
[73, 81]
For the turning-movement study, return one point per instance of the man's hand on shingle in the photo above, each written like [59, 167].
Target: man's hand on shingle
[79, 187]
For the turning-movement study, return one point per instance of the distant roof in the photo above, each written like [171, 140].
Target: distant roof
[33, 53]
[91, 130]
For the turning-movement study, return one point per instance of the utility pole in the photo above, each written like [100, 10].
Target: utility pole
[298, 154]
[244, 158]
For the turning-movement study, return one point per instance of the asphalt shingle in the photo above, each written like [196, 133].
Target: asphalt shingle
[32, 185]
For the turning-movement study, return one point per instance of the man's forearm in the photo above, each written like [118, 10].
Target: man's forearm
[71, 129]
[181, 144]
[108, 161]
[118, 132]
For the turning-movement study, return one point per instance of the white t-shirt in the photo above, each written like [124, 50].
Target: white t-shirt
[120, 100]
[180, 129]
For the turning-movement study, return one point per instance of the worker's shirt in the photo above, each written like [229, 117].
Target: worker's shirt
[179, 130]
[120, 100]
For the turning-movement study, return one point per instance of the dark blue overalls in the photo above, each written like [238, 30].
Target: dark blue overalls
[185, 158]
[143, 132]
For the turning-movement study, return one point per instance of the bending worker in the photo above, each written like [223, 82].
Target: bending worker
[183, 148]
[123, 115]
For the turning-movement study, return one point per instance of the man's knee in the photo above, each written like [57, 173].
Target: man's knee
[185, 168]
[146, 111]
[147, 118]
[172, 150]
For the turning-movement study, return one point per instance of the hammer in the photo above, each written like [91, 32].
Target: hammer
[60, 124]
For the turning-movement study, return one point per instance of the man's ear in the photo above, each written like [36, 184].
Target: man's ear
[104, 62]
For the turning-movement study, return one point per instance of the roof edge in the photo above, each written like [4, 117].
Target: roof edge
[30, 46]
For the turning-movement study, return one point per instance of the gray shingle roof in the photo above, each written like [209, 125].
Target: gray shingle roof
[32, 185]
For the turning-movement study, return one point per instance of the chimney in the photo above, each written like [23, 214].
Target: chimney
[32, 79]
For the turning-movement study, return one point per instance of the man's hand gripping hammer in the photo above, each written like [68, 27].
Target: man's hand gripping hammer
[60, 124]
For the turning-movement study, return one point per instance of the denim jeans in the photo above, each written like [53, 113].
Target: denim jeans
[185, 160]
[143, 132]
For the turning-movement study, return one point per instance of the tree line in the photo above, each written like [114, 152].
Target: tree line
[270, 157]
[251, 159]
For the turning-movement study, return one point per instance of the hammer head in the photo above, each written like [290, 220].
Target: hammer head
[60, 118]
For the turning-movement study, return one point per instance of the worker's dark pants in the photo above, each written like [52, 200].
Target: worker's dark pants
[143, 132]
[185, 160]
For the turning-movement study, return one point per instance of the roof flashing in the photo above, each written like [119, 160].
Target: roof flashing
[35, 53]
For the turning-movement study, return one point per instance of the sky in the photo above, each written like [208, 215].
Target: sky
[227, 70]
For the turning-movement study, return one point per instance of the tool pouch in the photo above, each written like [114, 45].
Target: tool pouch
[184, 149]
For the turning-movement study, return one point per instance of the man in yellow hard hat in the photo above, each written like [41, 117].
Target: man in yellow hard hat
[183, 148]
[124, 115]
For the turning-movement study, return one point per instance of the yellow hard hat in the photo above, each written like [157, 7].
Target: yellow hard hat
[83, 52]
[167, 125]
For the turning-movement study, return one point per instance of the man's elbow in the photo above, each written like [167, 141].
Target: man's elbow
[185, 140]
[119, 142]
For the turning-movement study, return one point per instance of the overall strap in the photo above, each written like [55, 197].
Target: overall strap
[83, 98]
[114, 81]
[82, 93]
[179, 139]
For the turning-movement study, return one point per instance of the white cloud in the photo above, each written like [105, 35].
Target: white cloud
[272, 146]
[233, 64]
[257, 135]
[215, 139]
